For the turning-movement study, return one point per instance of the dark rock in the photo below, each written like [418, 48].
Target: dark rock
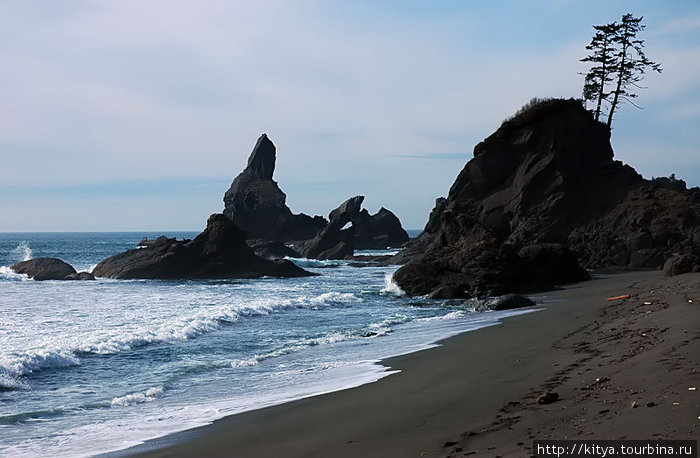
[508, 302]
[257, 205]
[548, 398]
[553, 263]
[218, 252]
[80, 276]
[678, 265]
[645, 258]
[448, 292]
[44, 269]
[547, 175]
[349, 228]
[640, 240]
[379, 231]
[347, 211]
[334, 241]
[270, 249]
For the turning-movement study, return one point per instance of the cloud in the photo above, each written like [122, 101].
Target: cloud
[125, 92]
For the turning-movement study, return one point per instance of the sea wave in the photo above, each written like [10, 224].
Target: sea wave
[140, 397]
[390, 286]
[8, 274]
[204, 320]
[23, 252]
[305, 262]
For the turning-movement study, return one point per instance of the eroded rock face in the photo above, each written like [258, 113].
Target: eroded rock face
[49, 269]
[258, 206]
[220, 251]
[379, 231]
[547, 176]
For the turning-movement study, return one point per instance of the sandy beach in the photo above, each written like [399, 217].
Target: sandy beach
[623, 369]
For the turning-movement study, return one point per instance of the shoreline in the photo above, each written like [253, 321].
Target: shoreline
[439, 405]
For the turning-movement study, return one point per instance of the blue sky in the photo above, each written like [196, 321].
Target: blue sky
[133, 115]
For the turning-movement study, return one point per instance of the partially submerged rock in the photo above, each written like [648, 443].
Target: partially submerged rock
[49, 269]
[508, 302]
[218, 252]
[270, 249]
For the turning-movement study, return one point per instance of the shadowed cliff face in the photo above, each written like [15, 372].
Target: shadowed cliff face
[256, 204]
[546, 176]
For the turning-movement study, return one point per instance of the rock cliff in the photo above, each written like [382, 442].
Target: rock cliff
[540, 192]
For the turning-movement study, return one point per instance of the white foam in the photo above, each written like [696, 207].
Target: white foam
[23, 252]
[19, 365]
[149, 395]
[447, 316]
[390, 286]
[8, 274]
[104, 342]
[9, 382]
[305, 262]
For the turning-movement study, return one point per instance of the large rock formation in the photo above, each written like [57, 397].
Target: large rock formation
[379, 231]
[335, 241]
[546, 176]
[350, 228]
[257, 205]
[49, 269]
[218, 252]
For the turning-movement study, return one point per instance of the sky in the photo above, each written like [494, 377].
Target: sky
[137, 115]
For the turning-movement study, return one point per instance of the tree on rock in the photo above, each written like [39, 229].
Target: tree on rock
[604, 62]
[618, 57]
[631, 61]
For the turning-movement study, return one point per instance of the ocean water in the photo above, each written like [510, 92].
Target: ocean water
[91, 367]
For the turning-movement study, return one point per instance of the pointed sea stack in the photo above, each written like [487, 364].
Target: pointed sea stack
[258, 206]
[540, 192]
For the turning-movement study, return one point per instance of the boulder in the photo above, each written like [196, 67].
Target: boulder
[681, 264]
[45, 269]
[81, 276]
[220, 251]
[270, 249]
[508, 302]
[448, 292]
[379, 231]
[258, 206]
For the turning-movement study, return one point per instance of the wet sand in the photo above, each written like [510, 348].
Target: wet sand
[622, 369]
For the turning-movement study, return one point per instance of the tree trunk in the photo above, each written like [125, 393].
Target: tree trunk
[621, 72]
[602, 79]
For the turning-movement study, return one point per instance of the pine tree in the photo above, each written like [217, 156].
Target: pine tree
[605, 61]
[631, 63]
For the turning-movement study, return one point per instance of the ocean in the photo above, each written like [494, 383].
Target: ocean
[91, 367]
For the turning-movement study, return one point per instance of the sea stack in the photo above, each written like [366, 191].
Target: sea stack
[540, 193]
[258, 206]
[220, 251]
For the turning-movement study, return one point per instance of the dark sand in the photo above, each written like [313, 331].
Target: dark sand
[475, 395]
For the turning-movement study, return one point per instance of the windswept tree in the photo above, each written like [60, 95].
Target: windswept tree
[618, 64]
[631, 61]
[604, 61]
